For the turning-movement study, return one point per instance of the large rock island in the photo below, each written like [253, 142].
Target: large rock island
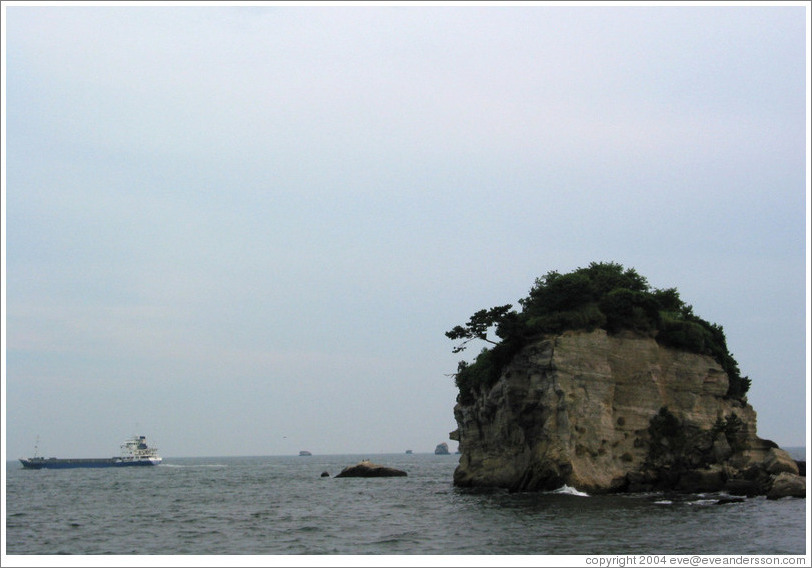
[605, 410]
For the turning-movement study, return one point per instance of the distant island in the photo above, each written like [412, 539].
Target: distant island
[603, 383]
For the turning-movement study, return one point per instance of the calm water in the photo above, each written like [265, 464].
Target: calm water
[281, 505]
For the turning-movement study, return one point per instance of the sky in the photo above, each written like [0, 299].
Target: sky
[245, 230]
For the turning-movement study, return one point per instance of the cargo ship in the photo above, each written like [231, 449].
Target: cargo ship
[134, 452]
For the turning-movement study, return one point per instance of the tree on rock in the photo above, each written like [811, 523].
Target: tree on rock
[601, 296]
[478, 326]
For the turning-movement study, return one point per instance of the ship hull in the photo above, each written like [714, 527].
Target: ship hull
[89, 462]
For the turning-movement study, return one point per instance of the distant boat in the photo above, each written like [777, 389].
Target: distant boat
[305, 453]
[408, 451]
[135, 452]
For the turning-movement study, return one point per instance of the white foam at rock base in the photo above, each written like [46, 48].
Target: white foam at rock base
[567, 490]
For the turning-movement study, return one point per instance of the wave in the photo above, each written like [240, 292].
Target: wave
[165, 465]
[567, 490]
[703, 502]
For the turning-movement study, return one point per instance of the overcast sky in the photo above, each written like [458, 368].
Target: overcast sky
[245, 230]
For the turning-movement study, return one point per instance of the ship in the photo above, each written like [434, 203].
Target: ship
[134, 452]
[305, 453]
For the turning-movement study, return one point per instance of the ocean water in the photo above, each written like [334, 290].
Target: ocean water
[282, 506]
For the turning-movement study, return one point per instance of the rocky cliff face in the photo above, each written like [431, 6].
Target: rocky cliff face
[586, 410]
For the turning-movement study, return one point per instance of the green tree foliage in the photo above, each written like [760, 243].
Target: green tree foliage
[733, 428]
[667, 436]
[477, 326]
[600, 296]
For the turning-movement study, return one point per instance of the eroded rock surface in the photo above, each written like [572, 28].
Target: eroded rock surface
[787, 485]
[613, 413]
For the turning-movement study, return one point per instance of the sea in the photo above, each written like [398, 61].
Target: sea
[284, 505]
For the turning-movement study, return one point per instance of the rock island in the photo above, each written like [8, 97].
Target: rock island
[604, 384]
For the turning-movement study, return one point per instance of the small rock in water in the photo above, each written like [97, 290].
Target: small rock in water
[366, 468]
[729, 500]
[325, 474]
